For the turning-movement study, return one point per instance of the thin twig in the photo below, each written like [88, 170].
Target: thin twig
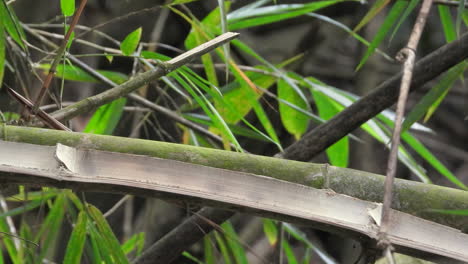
[53, 66]
[408, 55]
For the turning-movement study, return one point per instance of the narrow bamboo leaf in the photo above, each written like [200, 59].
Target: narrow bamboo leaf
[134, 243]
[77, 240]
[24, 252]
[270, 230]
[465, 17]
[271, 14]
[208, 250]
[406, 13]
[73, 73]
[98, 251]
[190, 85]
[191, 257]
[238, 94]
[300, 236]
[67, 7]
[33, 196]
[105, 119]
[288, 252]
[179, 2]
[11, 24]
[431, 159]
[72, 37]
[108, 236]
[206, 86]
[224, 29]
[10, 116]
[294, 121]
[460, 11]
[376, 130]
[434, 95]
[388, 23]
[375, 9]
[49, 231]
[209, 26]
[307, 258]
[233, 243]
[223, 248]
[250, 88]
[9, 242]
[131, 41]
[338, 152]
[2, 51]
[22, 209]
[350, 32]
[447, 23]
[237, 130]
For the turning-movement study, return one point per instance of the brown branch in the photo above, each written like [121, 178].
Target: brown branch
[408, 55]
[382, 97]
[53, 66]
[46, 118]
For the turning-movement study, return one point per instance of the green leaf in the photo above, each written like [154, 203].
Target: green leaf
[77, 240]
[10, 116]
[98, 251]
[270, 230]
[237, 94]
[431, 159]
[447, 23]
[111, 242]
[191, 257]
[223, 248]
[2, 52]
[34, 196]
[8, 242]
[11, 24]
[406, 13]
[289, 253]
[131, 41]
[22, 209]
[71, 38]
[238, 130]
[375, 9]
[105, 119]
[294, 121]
[134, 243]
[337, 153]
[67, 7]
[49, 231]
[179, 2]
[436, 93]
[73, 73]
[270, 14]
[208, 250]
[190, 84]
[233, 243]
[388, 23]
[460, 11]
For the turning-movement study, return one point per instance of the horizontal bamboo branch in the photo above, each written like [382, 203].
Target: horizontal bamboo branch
[411, 197]
[89, 169]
